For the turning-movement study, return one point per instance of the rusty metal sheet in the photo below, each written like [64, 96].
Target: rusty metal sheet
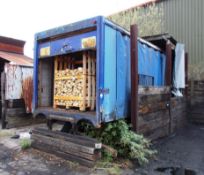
[19, 83]
[17, 59]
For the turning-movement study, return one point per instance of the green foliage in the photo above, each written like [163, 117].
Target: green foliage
[115, 170]
[107, 157]
[128, 144]
[25, 143]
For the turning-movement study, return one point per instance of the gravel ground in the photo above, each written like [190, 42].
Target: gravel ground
[184, 149]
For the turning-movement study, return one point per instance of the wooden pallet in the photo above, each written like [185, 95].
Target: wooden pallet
[81, 149]
[75, 82]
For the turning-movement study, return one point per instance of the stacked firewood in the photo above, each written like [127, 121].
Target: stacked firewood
[69, 72]
[75, 87]
[71, 86]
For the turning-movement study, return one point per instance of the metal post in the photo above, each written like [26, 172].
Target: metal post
[186, 74]
[134, 76]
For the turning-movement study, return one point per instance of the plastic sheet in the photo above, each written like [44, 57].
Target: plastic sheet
[151, 63]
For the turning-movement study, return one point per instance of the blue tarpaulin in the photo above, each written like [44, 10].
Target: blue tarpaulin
[151, 65]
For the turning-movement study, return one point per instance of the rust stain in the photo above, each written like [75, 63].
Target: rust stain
[27, 93]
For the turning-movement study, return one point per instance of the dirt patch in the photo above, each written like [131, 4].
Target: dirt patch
[183, 150]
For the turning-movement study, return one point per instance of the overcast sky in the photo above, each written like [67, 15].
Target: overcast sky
[21, 19]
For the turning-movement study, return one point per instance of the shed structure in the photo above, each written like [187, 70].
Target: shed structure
[16, 71]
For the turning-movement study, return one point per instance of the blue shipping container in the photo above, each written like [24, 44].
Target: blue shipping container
[112, 49]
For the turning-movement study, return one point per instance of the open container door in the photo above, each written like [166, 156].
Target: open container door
[109, 91]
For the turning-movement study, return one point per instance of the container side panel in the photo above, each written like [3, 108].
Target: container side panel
[122, 76]
[109, 74]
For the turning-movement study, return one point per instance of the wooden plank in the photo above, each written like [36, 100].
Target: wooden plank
[89, 80]
[71, 98]
[153, 90]
[153, 107]
[53, 150]
[157, 133]
[192, 92]
[3, 101]
[66, 145]
[60, 63]
[148, 99]
[69, 77]
[82, 140]
[75, 136]
[83, 106]
[157, 123]
[55, 71]
[93, 80]
[63, 148]
[65, 62]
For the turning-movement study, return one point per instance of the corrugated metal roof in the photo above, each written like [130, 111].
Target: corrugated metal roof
[17, 59]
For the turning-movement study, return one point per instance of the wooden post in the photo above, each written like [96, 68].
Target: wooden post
[192, 93]
[89, 79]
[134, 76]
[65, 62]
[60, 63]
[55, 72]
[186, 74]
[168, 64]
[93, 83]
[169, 79]
[3, 100]
[83, 106]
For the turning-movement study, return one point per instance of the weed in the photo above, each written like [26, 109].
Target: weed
[25, 143]
[129, 145]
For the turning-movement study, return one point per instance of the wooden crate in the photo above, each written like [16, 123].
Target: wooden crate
[75, 82]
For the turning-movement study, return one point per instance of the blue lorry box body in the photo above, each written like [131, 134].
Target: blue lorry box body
[112, 68]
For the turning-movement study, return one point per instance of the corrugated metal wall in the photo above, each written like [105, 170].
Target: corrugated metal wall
[183, 19]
